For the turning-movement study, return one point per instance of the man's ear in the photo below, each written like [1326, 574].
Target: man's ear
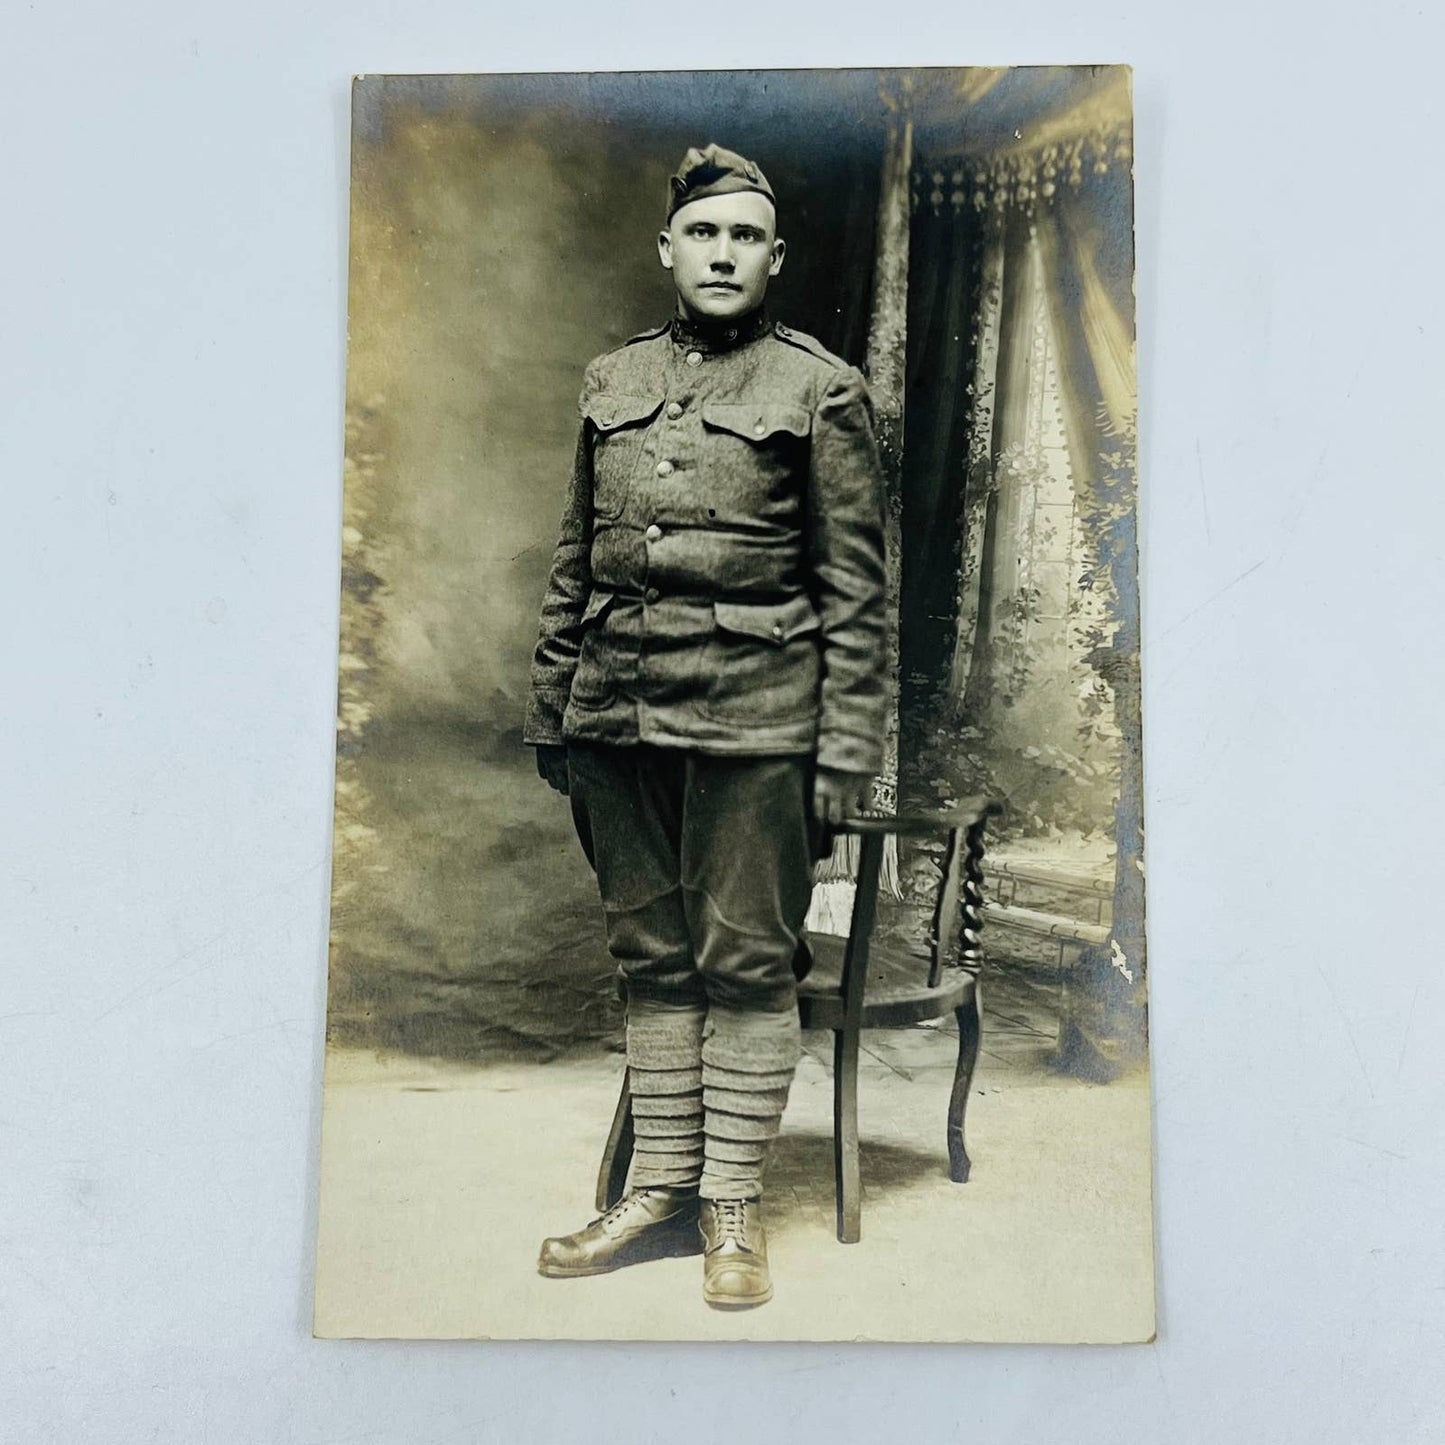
[664, 249]
[779, 248]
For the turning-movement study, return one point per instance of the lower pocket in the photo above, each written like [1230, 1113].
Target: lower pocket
[762, 664]
[594, 682]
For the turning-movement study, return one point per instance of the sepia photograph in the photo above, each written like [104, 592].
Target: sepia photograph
[737, 912]
[697, 715]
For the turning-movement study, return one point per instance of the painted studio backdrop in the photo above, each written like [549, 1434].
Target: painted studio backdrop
[492, 262]
[966, 237]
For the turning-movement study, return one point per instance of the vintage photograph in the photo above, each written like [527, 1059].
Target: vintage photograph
[738, 870]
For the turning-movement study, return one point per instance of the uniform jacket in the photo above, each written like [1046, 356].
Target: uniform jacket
[718, 583]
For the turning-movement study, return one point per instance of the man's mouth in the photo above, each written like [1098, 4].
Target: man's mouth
[721, 286]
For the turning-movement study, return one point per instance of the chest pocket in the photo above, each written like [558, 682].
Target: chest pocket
[620, 424]
[762, 423]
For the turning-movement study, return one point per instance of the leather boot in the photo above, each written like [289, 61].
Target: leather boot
[652, 1223]
[735, 1254]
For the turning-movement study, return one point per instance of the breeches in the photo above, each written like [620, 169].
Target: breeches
[705, 866]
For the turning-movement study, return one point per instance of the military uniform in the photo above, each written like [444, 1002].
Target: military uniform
[718, 584]
[712, 631]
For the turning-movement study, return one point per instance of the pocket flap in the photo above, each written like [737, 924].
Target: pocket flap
[775, 622]
[597, 605]
[756, 420]
[608, 410]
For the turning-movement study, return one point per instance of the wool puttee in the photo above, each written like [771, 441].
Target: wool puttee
[664, 1068]
[748, 1061]
[708, 1094]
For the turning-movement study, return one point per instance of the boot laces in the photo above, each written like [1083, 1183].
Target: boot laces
[732, 1220]
[624, 1206]
[618, 1211]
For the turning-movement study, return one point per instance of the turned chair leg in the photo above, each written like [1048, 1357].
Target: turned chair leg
[970, 1030]
[617, 1156]
[845, 1135]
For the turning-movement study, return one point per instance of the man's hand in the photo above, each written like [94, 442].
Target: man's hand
[837, 795]
[552, 765]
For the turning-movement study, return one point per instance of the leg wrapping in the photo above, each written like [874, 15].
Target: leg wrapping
[664, 1069]
[748, 1061]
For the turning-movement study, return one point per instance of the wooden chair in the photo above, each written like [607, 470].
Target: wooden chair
[863, 982]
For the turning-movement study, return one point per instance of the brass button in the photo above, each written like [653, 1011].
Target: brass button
[653, 533]
[665, 469]
[778, 630]
[732, 333]
[674, 409]
[651, 595]
[694, 358]
[758, 429]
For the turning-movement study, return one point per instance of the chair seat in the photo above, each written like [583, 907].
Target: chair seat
[897, 992]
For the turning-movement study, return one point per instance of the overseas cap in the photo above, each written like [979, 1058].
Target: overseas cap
[713, 171]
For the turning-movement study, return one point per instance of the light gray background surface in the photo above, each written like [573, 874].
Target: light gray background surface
[172, 251]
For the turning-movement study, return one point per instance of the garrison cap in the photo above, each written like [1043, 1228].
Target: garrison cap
[713, 171]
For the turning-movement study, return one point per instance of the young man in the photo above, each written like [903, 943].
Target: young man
[708, 687]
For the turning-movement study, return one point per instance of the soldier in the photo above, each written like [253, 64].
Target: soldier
[708, 689]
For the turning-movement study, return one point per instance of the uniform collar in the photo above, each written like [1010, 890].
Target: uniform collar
[724, 335]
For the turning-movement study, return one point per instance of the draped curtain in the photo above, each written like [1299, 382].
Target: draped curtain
[1020, 260]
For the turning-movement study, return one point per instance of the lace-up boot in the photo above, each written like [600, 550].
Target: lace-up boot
[653, 1223]
[735, 1254]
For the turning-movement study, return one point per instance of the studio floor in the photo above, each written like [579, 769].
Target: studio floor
[440, 1179]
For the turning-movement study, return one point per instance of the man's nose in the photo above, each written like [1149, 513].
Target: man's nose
[722, 254]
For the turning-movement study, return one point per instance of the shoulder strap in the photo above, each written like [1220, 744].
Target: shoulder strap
[807, 343]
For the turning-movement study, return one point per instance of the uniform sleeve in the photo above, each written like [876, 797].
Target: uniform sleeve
[845, 540]
[559, 633]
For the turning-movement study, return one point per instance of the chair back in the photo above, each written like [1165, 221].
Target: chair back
[955, 933]
[860, 931]
[955, 937]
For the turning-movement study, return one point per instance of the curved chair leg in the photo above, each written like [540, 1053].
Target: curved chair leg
[970, 1031]
[617, 1156]
[845, 1135]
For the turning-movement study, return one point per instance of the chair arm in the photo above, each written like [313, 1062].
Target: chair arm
[964, 814]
